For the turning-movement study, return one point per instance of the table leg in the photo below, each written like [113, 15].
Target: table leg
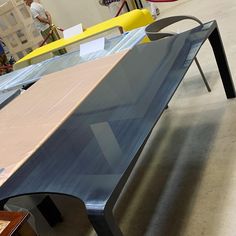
[50, 211]
[104, 223]
[202, 74]
[127, 6]
[138, 4]
[2, 203]
[218, 49]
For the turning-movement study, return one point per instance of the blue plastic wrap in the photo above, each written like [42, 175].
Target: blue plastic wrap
[32, 73]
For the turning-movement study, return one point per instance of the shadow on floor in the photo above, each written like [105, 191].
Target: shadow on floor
[194, 86]
[159, 196]
[161, 191]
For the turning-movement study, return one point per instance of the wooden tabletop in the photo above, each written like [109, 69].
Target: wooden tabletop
[32, 117]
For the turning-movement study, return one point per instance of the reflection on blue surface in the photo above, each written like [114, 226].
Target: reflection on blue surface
[88, 154]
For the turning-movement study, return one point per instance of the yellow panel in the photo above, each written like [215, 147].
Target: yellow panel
[128, 21]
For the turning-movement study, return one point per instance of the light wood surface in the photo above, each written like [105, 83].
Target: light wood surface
[31, 118]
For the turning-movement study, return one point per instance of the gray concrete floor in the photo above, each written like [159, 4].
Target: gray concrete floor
[185, 180]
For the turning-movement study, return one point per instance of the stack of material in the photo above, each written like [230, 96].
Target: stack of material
[17, 28]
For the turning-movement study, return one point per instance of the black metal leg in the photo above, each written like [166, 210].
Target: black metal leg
[141, 4]
[222, 63]
[50, 212]
[138, 4]
[2, 203]
[127, 6]
[104, 223]
[202, 74]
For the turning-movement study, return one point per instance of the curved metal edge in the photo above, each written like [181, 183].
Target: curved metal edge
[158, 25]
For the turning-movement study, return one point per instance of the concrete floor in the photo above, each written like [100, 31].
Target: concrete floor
[185, 181]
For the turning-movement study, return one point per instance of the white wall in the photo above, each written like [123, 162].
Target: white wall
[67, 13]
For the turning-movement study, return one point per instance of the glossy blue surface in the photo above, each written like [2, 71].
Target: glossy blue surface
[6, 97]
[90, 152]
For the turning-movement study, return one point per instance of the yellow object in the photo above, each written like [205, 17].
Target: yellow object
[128, 21]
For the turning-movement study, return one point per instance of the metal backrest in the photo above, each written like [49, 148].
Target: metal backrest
[153, 30]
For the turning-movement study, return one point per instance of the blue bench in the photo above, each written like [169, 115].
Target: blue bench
[93, 151]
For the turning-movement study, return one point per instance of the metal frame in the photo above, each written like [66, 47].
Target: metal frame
[100, 214]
